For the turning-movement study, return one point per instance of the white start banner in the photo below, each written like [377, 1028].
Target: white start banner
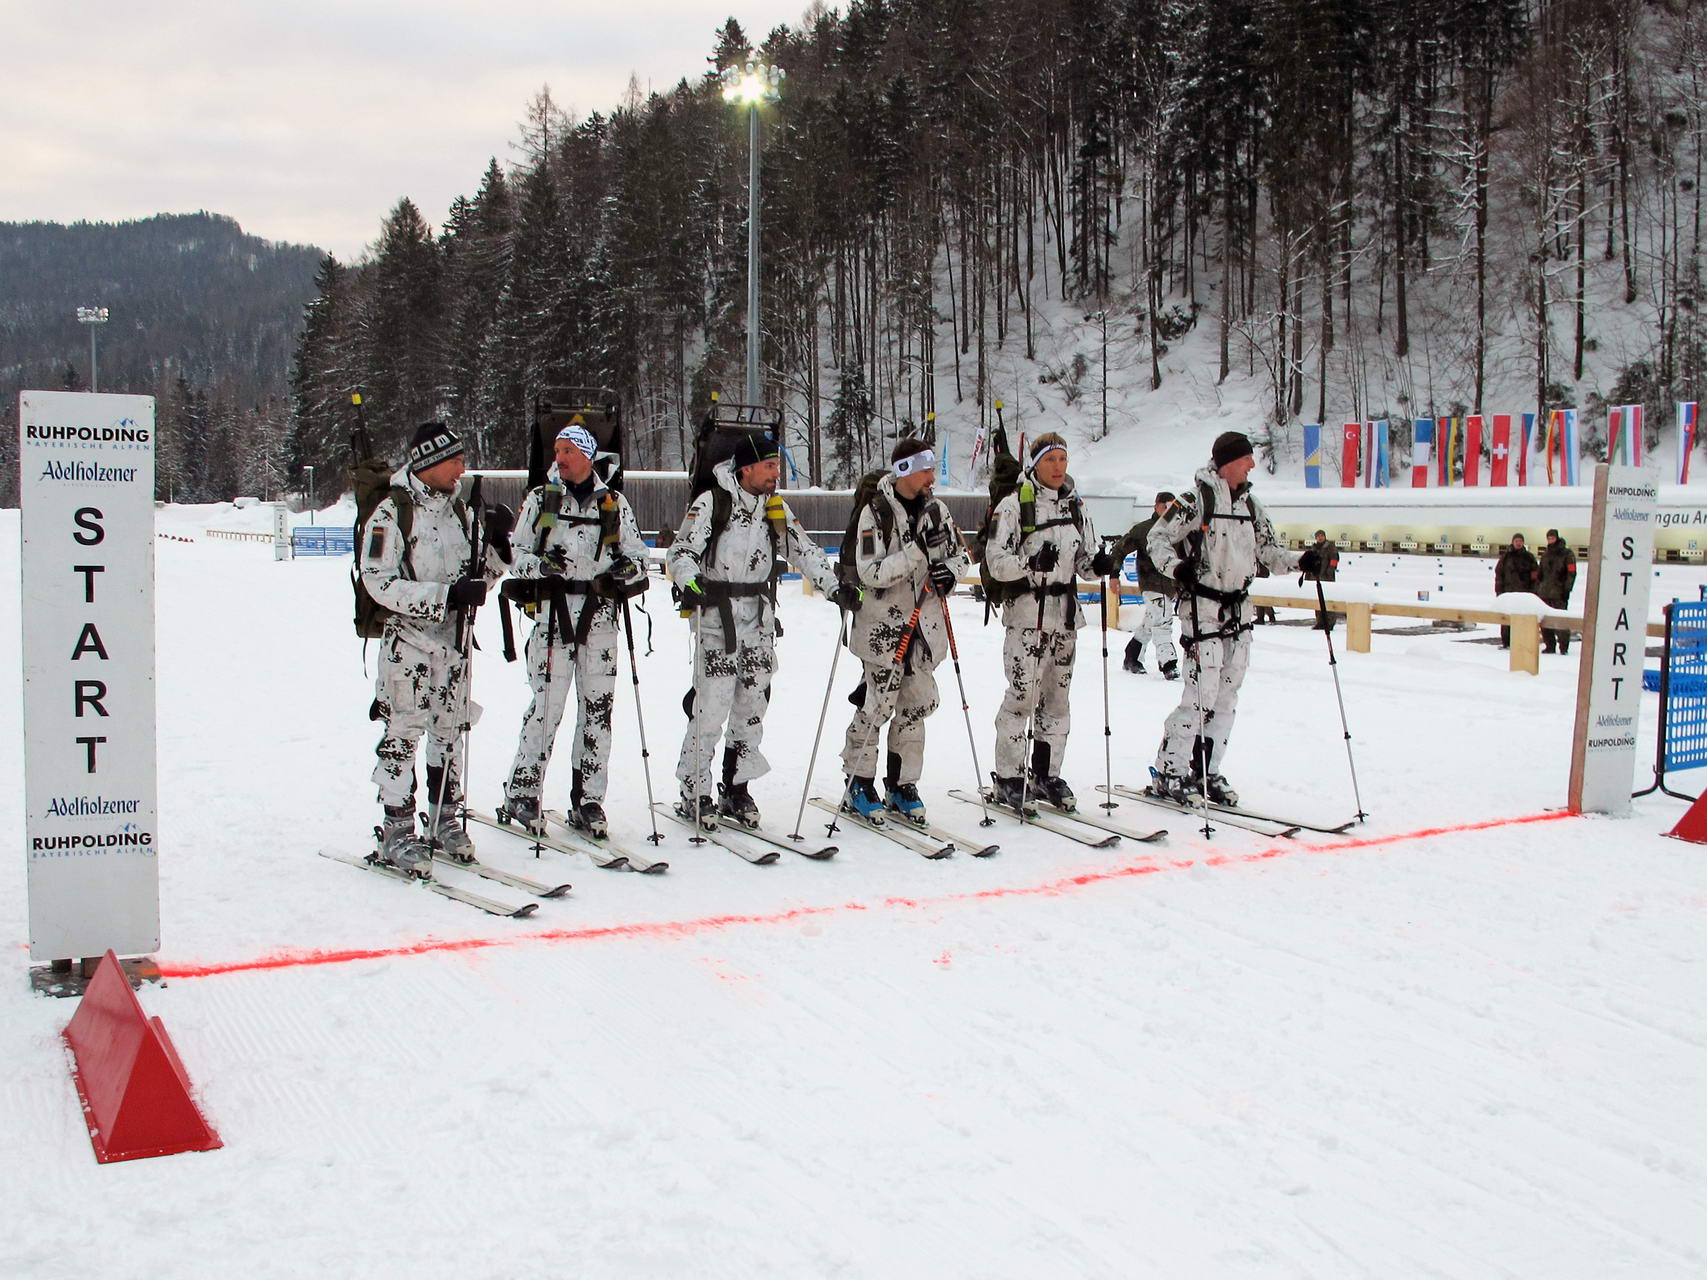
[86, 489]
[1615, 639]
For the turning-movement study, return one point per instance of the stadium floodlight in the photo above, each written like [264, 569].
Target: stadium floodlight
[92, 316]
[753, 85]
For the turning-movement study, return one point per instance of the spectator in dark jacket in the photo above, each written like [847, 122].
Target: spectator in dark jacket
[1516, 570]
[1558, 579]
[1156, 616]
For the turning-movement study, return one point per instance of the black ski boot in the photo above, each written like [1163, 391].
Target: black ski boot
[702, 810]
[1132, 660]
[1170, 670]
[1055, 791]
[589, 818]
[1220, 791]
[737, 805]
[1010, 793]
[1173, 787]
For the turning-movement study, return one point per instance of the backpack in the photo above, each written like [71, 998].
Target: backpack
[600, 411]
[720, 431]
[1004, 479]
[865, 495]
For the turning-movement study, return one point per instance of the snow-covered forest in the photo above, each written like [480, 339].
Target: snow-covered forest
[1376, 207]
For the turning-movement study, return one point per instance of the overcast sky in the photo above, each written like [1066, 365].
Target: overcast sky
[307, 122]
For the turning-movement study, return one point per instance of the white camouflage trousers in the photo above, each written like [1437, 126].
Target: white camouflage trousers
[903, 700]
[421, 688]
[732, 692]
[1156, 627]
[1212, 679]
[1039, 667]
[552, 668]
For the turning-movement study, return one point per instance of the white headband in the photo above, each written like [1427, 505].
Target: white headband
[924, 460]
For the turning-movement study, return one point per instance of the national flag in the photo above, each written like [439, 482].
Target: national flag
[1422, 451]
[1473, 449]
[1353, 432]
[1500, 453]
[1448, 450]
[1383, 464]
[1312, 455]
[1570, 448]
[1685, 438]
[1615, 435]
[1633, 432]
[1525, 448]
[1555, 429]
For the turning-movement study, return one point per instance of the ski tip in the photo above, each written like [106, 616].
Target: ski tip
[524, 911]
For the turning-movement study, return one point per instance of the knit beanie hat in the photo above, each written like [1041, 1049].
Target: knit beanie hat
[1229, 446]
[753, 448]
[433, 443]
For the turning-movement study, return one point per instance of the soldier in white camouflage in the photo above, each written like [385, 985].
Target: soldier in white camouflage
[580, 555]
[722, 563]
[1212, 543]
[419, 564]
[1041, 542]
[906, 550]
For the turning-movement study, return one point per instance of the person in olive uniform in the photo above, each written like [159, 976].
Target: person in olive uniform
[1516, 570]
[1558, 579]
[1156, 614]
[1328, 560]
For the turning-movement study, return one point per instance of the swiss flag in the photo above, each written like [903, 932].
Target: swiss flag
[1501, 450]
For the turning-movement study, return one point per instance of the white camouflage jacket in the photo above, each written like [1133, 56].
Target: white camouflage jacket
[1008, 554]
[1238, 538]
[576, 535]
[414, 581]
[893, 571]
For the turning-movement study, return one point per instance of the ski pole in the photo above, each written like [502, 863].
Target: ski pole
[811, 763]
[1200, 748]
[1334, 666]
[698, 739]
[966, 712]
[1107, 733]
[640, 719]
[465, 647]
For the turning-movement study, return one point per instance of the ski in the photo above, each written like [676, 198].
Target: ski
[614, 854]
[1103, 824]
[977, 848]
[1268, 827]
[509, 879]
[724, 837]
[818, 853]
[898, 832]
[1055, 825]
[492, 906]
[1239, 811]
[522, 832]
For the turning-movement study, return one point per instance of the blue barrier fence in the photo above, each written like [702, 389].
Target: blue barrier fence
[1685, 707]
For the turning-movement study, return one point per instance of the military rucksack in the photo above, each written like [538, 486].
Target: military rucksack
[720, 432]
[865, 495]
[1004, 479]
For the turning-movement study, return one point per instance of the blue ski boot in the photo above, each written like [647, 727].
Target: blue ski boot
[860, 799]
[904, 799]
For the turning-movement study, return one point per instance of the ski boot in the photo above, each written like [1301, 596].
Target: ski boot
[453, 839]
[400, 847]
[588, 818]
[1170, 670]
[1132, 660]
[1010, 793]
[1220, 792]
[737, 805]
[903, 798]
[523, 810]
[701, 810]
[1175, 788]
[1054, 790]
[860, 798]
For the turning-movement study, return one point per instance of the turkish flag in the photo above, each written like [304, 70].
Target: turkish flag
[1348, 455]
[1501, 450]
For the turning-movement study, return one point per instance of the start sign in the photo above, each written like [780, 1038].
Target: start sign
[86, 489]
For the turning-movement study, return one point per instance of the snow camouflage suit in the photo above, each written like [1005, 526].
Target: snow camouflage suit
[732, 674]
[1215, 616]
[554, 657]
[422, 684]
[1156, 613]
[893, 571]
[1038, 660]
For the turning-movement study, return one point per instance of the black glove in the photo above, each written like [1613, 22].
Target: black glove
[555, 560]
[1310, 562]
[942, 577]
[500, 524]
[1045, 558]
[466, 592]
[1185, 572]
[1104, 565]
[936, 540]
[847, 596]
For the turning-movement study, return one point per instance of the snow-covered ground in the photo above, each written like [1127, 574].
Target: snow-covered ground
[1466, 1040]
